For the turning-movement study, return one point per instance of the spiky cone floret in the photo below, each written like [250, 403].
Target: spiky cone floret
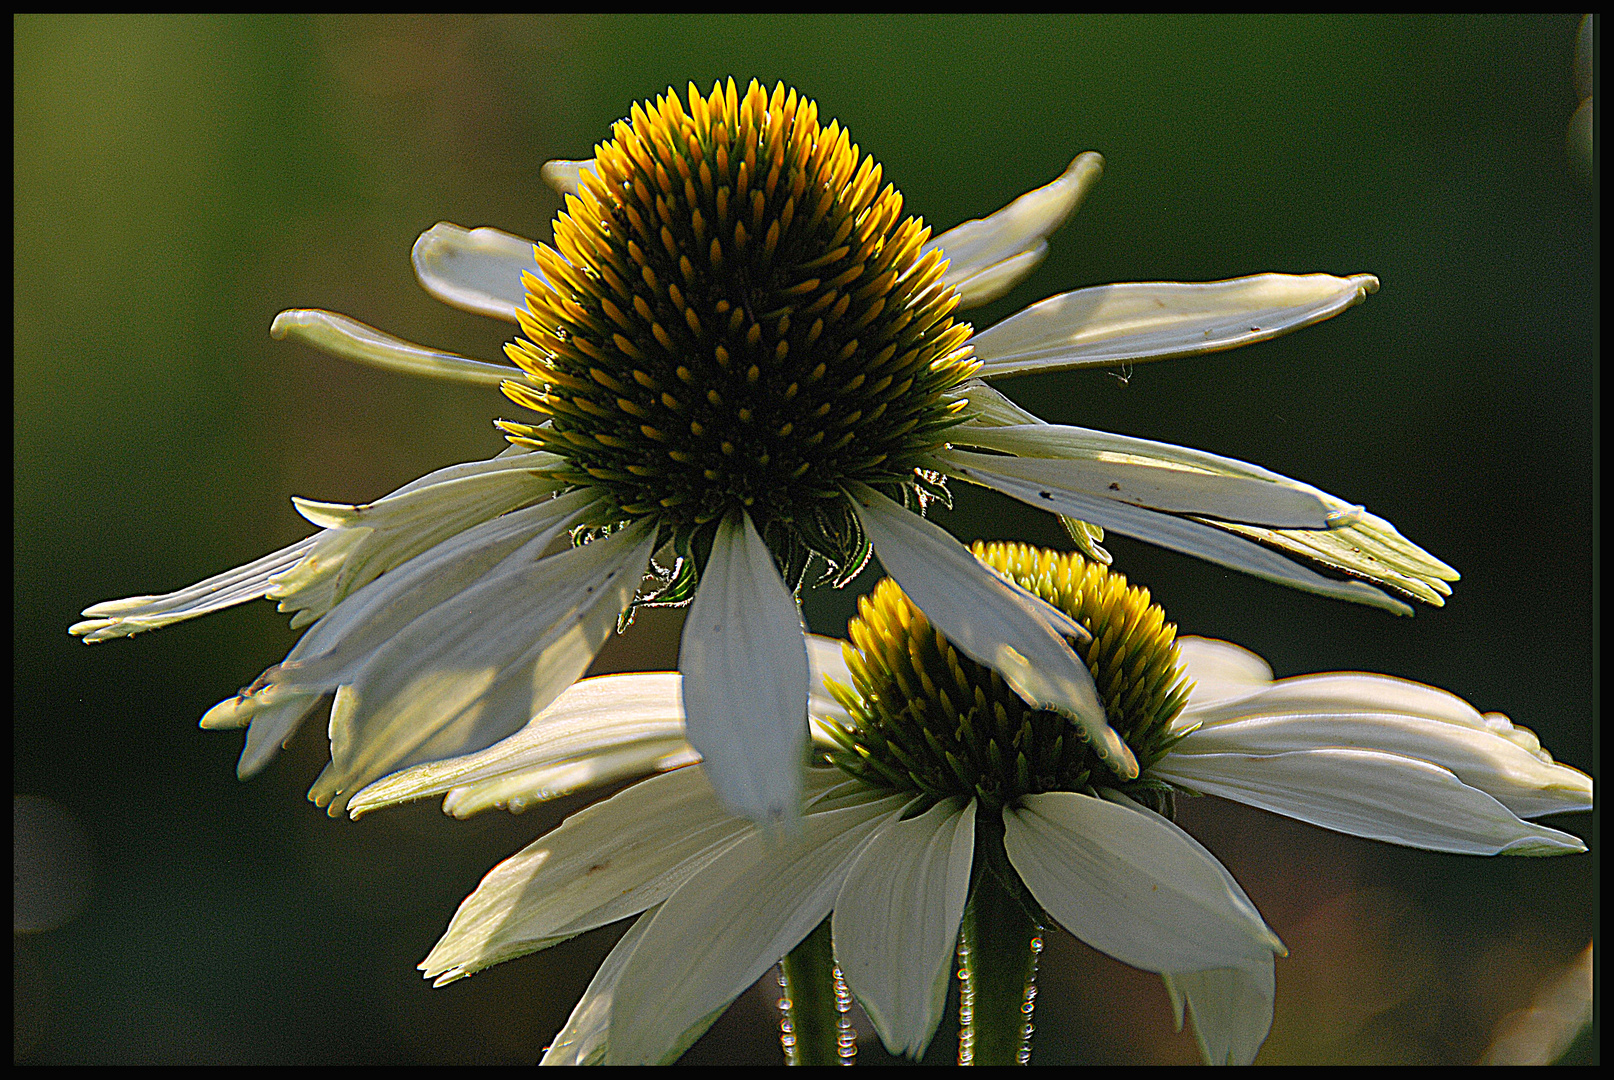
[735, 314]
[927, 719]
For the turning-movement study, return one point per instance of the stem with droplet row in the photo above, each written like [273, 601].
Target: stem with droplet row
[997, 956]
[814, 1026]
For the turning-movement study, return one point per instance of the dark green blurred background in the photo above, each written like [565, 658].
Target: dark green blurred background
[179, 181]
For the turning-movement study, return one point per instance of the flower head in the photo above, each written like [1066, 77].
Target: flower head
[929, 774]
[745, 362]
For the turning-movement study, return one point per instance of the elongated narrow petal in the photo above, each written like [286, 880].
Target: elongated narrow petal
[349, 339]
[1377, 712]
[1231, 1009]
[1355, 541]
[1179, 534]
[1154, 320]
[721, 930]
[745, 677]
[1158, 486]
[121, 618]
[989, 256]
[1382, 796]
[825, 661]
[587, 736]
[583, 1040]
[896, 922]
[477, 270]
[476, 668]
[606, 862]
[362, 542]
[1131, 887]
[989, 619]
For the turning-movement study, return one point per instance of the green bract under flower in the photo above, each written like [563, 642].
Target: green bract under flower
[738, 317]
[927, 719]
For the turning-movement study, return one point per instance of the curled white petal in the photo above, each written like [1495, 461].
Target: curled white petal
[989, 256]
[896, 922]
[477, 270]
[583, 1040]
[1231, 1009]
[348, 339]
[745, 677]
[566, 177]
[1153, 320]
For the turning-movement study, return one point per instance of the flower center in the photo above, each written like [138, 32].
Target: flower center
[927, 719]
[734, 316]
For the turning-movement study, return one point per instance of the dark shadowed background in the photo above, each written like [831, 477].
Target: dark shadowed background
[179, 181]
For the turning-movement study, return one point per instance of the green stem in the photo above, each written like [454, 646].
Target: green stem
[997, 955]
[814, 1027]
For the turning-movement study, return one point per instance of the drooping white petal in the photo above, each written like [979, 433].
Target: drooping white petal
[745, 677]
[1165, 530]
[361, 542]
[349, 339]
[132, 615]
[989, 256]
[1231, 1008]
[1129, 886]
[1369, 793]
[609, 861]
[1377, 712]
[1153, 320]
[989, 619]
[566, 177]
[477, 270]
[583, 1040]
[477, 667]
[730, 923]
[896, 922]
[1173, 489]
[587, 736]
[1354, 541]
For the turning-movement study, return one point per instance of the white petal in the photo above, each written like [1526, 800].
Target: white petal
[1355, 541]
[1377, 712]
[121, 618]
[1153, 320]
[745, 677]
[606, 862]
[1165, 530]
[361, 542]
[989, 256]
[476, 270]
[583, 1040]
[896, 922]
[988, 619]
[477, 667]
[1231, 1007]
[1159, 486]
[1369, 793]
[825, 661]
[566, 177]
[580, 736]
[1130, 886]
[731, 922]
[349, 339]
[1219, 670]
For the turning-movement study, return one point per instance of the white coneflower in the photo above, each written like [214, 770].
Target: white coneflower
[944, 810]
[747, 364]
